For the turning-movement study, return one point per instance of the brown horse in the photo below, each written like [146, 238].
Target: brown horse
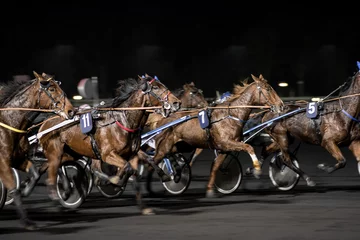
[115, 138]
[39, 93]
[224, 130]
[335, 125]
[191, 98]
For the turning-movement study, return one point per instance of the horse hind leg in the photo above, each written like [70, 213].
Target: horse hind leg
[334, 150]
[7, 177]
[289, 163]
[282, 143]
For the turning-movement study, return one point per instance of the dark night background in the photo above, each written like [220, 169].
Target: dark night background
[213, 44]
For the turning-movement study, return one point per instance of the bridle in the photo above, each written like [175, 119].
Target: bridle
[164, 100]
[45, 88]
[261, 93]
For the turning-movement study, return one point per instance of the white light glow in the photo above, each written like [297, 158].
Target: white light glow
[77, 97]
[283, 84]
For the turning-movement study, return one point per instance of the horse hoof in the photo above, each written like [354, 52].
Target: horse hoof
[321, 166]
[177, 178]
[210, 194]
[30, 225]
[148, 211]
[257, 173]
[114, 180]
[165, 178]
[248, 171]
[310, 182]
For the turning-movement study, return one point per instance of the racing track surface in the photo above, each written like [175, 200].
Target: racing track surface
[255, 211]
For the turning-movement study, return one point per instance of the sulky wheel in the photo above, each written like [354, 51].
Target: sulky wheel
[88, 172]
[10, 200]
[73, 195]
[3, 194]
[281, 176]
[106, 188]
[109, 190]
[229, 175]
[182, 178]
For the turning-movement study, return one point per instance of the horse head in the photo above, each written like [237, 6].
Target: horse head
[192, 97]
[267, 95]
[159, 95]
[49, 89]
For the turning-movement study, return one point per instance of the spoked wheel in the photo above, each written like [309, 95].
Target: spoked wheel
[3, 194]
[281, 176]
[88, 173]
[182, 179]
[78, 185]
[229, 175]
[106, 188]
[10, 200]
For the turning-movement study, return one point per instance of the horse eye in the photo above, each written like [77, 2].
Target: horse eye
[155, 87]
[51, 89]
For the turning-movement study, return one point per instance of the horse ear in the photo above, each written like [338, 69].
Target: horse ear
[146, 75]
[261, 77]
[192, 84]
[43, 74]
[254, 78]
[37, 75]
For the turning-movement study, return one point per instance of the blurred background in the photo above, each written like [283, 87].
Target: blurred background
[214, 45]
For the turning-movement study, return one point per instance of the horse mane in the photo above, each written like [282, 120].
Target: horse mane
[124, 90]
[345, 87]
[10, 89]
[239, 89]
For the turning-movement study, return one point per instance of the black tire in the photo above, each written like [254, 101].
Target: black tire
[78, 185]
[3, 194]
[180, 186]
[110, 190]
[277, 166]
[88, 173]
[229, 175]
[9, 200]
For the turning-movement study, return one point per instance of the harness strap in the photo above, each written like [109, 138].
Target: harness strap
[11, 128]
[347, 114]
[94, 146]
[125, 128]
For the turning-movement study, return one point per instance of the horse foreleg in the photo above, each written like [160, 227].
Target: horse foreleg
[53, 151]
[195, 155]
[334, 150]
[7, 177]
[217, 163]
[236, 146]
[266, 151]
[30, 183]
[355, 149]
[126, 171]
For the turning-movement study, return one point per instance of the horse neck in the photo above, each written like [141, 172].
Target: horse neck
[246, 98]
[16, 118]
[134, 118]
[351, 104]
